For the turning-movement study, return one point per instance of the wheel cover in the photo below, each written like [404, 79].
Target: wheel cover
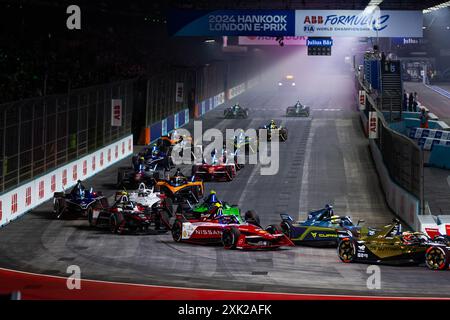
[435, 259]
[346, 252]
[176, 232]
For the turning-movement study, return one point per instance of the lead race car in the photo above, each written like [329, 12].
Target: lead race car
[297, 110]
[321, 228]
[218, 228]
[79, 201]
[235, 112]
[272, 128]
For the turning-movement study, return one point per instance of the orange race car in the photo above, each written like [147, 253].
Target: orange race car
[180, 189]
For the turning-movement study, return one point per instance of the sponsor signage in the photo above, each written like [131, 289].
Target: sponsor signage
[408, 41]
[116, 112]
[271, 41]
[373, 125]
[232, 23]
[179, 92]
[319, 42]
[362, 100]
[357, 23]
[294, 23]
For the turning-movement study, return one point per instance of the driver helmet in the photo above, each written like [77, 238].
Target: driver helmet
[272, 124]
[329, 209]
[155, 151]
[212, 198]
[297, 104]
[128, 205]
[407, 236]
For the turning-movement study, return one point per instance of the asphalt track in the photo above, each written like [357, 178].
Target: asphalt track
[325, 160]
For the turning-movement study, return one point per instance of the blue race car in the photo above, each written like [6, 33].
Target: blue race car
[320, 229]
[79, 201]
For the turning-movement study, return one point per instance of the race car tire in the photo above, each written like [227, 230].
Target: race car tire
[274, 229]
[286, 228]
[177, 230]
[90, 216]
[347, 250]
[114, 224]
[162, 219]
[437, 258]
[252, 218]
[59, 208]
[230, 237]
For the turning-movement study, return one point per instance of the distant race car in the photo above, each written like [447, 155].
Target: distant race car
[321, 228]
[235, 112]
[287, 82]
[297, 110]
[180, 189]
[271, 129]
[387, 245]
[126, 216]
[228, 231]
[79, 201]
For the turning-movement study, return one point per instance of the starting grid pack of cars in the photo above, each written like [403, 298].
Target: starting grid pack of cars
[150, 202]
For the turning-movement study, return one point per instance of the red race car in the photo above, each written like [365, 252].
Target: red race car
[221, 168]
[226, 230]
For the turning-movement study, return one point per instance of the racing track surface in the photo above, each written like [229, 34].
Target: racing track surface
[325, 160]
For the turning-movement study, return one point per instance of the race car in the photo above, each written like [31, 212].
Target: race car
[321, 228]
[148, 165]
[287, 82]
[297, 110]
[130, 178]
[271, 129]
[79, 201]
[143, 196]
[126, 216]
[208, 206]
[387, 245]
[218, 228]
[221, 168]
[235, 112]
[180, 189]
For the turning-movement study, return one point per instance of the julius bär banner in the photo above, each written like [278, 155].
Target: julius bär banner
[356, 23]
[290, 23]
[232, 23]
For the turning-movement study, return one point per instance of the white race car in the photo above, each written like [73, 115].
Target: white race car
[143, 196]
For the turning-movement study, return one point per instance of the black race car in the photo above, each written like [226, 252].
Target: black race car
[271, 129]
[79, 201]
[297, 110]
[235, 112]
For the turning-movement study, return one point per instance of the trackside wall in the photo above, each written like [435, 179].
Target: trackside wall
[22, 199]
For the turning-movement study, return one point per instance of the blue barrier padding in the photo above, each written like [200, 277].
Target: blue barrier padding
[429, 143]
[181, 119]
[417, 133]
[170, 123]
[155, 131]
[440, 156]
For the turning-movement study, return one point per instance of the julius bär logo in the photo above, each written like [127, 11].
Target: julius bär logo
[313, 20]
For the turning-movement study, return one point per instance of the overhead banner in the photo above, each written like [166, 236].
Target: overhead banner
[232, 23]
[116, 113]
[292, 23]
[357, 23]
[271, 41]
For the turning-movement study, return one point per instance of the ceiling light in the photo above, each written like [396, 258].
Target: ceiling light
[437, 7]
